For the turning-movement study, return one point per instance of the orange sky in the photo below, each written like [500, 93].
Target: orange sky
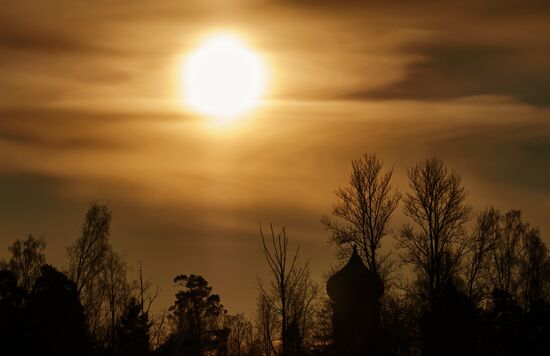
[89, 110]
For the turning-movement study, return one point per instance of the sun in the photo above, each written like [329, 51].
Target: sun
[223, 78]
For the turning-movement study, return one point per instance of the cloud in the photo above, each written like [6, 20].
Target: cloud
[513, 156]
[450, 71]
[498, 7]
[432, 51]
[75, 129]
[31, 38]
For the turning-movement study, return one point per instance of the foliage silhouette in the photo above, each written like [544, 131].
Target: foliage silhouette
[27, 259]
[288, 302]
[434, 243]
[132, 332]
[362, 213]
[14, 325]
[56, 316]
[197, 315]
[88, 263]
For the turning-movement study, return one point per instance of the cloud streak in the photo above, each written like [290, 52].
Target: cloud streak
[450, 71]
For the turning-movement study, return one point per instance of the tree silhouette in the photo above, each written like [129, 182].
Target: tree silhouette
[58, 324]
[87, 262]
[480, 247]
[519, 262]
[266, 323]
[116, 287]
[197, 315]
[480, 292]
[362, 212]
[506, 255]
[87, 254]
[290, 295]
[132, 333]
[451, 327]
[240, 340]
[534, 270]
[14, 324]
[146, 296]
[434, 243]
[27, 259]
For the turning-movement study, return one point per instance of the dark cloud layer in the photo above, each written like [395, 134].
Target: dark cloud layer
[517, 157]
[73, 129]
[450, 71]
[17, 37]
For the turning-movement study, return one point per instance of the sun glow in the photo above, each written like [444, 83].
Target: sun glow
[223, 78]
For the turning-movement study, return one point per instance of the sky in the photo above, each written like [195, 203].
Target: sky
[91, 110]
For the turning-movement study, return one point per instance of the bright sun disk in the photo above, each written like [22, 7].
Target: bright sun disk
[223, 78]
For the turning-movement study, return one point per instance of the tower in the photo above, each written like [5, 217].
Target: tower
[355, 292]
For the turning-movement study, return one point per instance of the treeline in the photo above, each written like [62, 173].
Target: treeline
[89, 308]
[456, 282]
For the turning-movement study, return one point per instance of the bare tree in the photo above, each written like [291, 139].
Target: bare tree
[478, 255]
[534, 269]
[434, 243]
[520, 264]
[94, 299]
[362, 212]
[146, 297]
[87, 262]
[266, 324]
[87, 254]
[160, 329]
[504, 271]
[117, 289]
[240, 339]
[508, 256]
[290, 293]
[321, 328]
[26, 260]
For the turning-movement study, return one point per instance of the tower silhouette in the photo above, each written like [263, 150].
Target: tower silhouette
[355, 291]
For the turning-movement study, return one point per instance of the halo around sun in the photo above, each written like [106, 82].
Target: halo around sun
[223, 78]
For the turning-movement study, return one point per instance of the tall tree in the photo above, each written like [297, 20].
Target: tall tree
[117, 289]
[519, 262]
[27, 257]
[87, 262]
[146, 297]
[534, 270]
[434, 242]
[504, 271]
[362, 212]
[145, 293]
[479, 251]
[87, 254]
[197, 314]
[290, 293]
[266, 324]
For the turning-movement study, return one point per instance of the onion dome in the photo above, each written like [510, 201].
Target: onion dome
[355, 283]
